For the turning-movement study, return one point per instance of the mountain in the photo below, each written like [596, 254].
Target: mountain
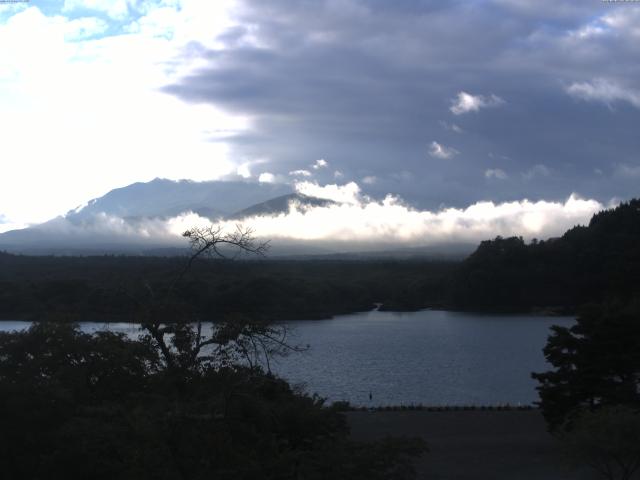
[163, 198]
[280, 205]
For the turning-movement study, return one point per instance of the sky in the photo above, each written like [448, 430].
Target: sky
[438, 105]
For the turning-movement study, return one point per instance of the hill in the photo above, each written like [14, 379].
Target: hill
[599, 262]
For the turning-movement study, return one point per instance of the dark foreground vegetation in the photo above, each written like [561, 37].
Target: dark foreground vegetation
[79, 406]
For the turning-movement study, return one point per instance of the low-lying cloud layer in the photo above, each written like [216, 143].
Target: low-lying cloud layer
[353, 222]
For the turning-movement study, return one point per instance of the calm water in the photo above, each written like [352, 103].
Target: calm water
[428, 357]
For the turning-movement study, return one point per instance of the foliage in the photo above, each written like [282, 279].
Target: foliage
[608, 440]
[109, 287]
[596, 361]
[77, 406]
[587, 264]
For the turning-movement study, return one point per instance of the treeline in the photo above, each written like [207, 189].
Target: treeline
[111, 287]
[592, 264]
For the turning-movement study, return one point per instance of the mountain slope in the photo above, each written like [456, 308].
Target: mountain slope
[280, 205]
[587, 264]
[166, 198]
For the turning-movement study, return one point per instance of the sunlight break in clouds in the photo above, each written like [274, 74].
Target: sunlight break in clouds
[466, 102]
[82, 111]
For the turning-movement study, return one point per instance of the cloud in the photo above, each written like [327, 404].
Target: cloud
[322, 163]
[6, 224]
[267, 177]
[495, 173]
[604, 91]
[300, 173]
[348, 193]
[209, 87]
[466, 102]
[386, 68]
[440, 151]
[391, 222]
[116, 9]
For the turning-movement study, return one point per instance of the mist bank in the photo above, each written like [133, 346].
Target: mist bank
[317, 220]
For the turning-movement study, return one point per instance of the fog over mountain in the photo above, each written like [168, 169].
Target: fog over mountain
[300, 218]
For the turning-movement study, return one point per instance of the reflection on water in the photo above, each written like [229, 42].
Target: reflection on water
[428, 357]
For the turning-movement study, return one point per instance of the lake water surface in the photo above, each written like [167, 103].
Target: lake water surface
[428, 357]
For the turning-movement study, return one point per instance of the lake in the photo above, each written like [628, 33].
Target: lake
[428, 357]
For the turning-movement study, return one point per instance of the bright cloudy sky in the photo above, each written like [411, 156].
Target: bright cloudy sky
[445, 104]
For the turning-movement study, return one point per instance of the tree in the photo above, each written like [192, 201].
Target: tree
[596, 361]
[177, 332]
[178, 403]
[608, 440]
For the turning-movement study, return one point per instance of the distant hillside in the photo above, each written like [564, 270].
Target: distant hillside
[599, 262]
[168, 198]
[279, 205]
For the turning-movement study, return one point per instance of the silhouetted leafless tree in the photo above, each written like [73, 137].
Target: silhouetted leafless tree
[186, 343]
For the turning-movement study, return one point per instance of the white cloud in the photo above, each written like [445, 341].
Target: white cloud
[338, 174]
[440, 151]
[244, 170]
[391, 222]
[6, 224]
[348, 193]
[496, 173]
[322, 163]
[466, 102]
[538, 170]
[267, 177]
[604, 91]
[300, 173]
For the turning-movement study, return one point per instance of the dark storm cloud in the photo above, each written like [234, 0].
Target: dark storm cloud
[368, 85]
